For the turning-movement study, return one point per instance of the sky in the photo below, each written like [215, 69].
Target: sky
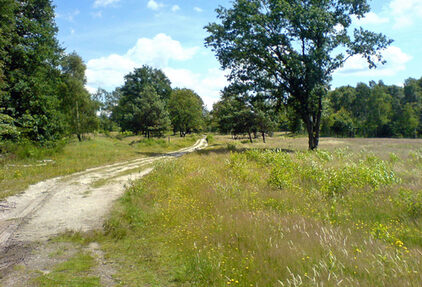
[114, 37]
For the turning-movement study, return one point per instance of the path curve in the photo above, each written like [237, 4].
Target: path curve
[68, 203]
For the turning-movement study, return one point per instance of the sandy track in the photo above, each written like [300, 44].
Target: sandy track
[67, 203]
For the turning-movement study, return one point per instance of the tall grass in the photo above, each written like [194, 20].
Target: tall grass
[268, 218]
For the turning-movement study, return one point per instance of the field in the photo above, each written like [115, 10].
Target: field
[274, 215]
[29, 164]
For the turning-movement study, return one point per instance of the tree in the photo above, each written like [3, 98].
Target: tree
[7, 23]
[288, 49]
[142, 113]
[106, 101]
[30, 68]
[77, 105]
[186, 110]
[136, 82]
[264, 115]
[143, 101]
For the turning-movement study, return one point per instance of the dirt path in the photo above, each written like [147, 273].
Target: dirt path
[77, 202]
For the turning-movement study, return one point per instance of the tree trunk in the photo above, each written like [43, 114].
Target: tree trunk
[263, 137]
[312, 119]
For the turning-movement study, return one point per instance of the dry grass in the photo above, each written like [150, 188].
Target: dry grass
[348, 215]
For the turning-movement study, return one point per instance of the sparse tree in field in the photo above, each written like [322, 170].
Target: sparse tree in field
[289, 49]
[186, 110]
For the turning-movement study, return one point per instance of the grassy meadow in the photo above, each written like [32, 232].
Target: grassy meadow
[28, 164]
[240, 214]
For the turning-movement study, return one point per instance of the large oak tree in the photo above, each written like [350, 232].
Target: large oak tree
[290, 49]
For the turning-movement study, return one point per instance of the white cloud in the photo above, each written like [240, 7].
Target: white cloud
[405, 12]
[207, 86]
[104, 3]
[371, 19]
[197, 9]
[159, 50]
[154, 5]
[396, 62]
[175, 8]
[108, 72]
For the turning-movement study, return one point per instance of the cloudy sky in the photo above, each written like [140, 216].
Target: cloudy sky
[115, 36]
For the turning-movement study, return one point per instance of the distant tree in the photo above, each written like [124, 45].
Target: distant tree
[142, 113]
[287, 49]
[77, 105]
[140, 78]
[186, 110]
[342, 123]
[143, 100]
[264, 115]
[107, 101]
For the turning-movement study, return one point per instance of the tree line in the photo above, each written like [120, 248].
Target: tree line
[43, 97]
[374, 110]
[147, 105]
[42, 89]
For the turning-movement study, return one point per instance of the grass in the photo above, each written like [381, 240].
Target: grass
[275, 215]
[74, 272]
[23, 168]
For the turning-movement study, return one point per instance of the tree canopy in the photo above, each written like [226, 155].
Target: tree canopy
[29, 68]
[186, 110]
[143, 99]
[290, 49]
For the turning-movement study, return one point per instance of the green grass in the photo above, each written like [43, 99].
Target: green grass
[278, 215]
[19, 170]
[74, 272]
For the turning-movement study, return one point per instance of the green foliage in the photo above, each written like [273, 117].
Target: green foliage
[239, 114]
[376, 110]
[139, 79]
[8, 129]
[31, 76]
[186, 111]
[286, 49]
[77, 105]
[142, 106]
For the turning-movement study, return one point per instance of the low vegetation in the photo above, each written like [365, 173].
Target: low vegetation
[27, 164]
[280, 216]
[73, 272]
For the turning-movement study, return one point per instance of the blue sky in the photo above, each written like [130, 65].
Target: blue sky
[115, 36]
